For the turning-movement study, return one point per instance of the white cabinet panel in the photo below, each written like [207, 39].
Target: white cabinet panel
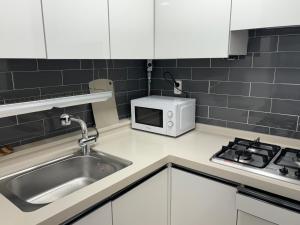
[200, 201]
[247, 219]
[266, 211]
[21, 26]
[76, 29]
[248, 14]
[101, 216]
[144, 205]
[192, 28]
[131, 29]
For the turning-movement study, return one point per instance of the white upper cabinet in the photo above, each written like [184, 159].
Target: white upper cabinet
[131, 29]
[21, 26]
[76, 29]
[192, 28]
[249, 14]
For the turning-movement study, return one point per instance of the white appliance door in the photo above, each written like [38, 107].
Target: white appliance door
[148, 119]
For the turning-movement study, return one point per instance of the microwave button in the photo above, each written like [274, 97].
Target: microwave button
[170, 114]
[170, 124]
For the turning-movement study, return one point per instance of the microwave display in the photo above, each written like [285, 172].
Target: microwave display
[149, 116]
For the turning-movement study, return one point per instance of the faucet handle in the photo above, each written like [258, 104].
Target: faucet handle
[97, 132]
[90, 139]
[85, 141]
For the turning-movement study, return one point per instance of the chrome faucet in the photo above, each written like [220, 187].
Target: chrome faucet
[86, 140]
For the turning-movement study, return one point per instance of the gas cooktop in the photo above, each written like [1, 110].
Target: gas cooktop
[261, 158]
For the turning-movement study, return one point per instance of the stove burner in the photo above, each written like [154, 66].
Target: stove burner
[243, 155]
[298, 156]
[261, 158]
[249, 153]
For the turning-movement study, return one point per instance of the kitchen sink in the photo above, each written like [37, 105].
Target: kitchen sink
[38, 186]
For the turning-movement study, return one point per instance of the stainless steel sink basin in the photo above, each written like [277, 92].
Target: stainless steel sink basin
[35, 187]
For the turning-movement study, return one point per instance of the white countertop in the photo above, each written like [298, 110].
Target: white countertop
[148, 152]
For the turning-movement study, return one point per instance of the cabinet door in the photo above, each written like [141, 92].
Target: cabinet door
[131, 29]
[247, 219]
[200, 201]
[146, 204]
[266, 211]
[21, 25]
[192, 28]
[76, 29]
[101, 216]
[249, 14]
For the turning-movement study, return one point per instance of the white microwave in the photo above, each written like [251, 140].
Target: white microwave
[170, 116]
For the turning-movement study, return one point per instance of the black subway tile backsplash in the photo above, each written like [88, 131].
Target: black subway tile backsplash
[242, 61]
[249, 103]
[277, 31]
[263, 44]
[26, 80]
[120, 63]
[210, 99]
[248, 127]
[228, 114]
[289, 43]
[258, 92]
[290, 107]
[273, 120]
[178, 73]
[117, 74]
[6, 81]
[19, 132]
[229, 88]
[165, 63]
[193, 62]
[8, 121]
[277, 59]
[202, 111]
[56, 90]
[285, 133]
[210, 121]
[14, 96]
[195, 86]
[218, 74]
[252, 74]
[18, 65]
[56, 64]
[291, 76]
[77, 76]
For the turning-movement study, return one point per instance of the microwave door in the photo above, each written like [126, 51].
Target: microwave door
[149, 116]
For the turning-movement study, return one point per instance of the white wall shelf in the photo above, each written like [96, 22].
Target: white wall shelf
[47, 104]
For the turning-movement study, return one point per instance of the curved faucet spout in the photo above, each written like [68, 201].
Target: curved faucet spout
[86, 140]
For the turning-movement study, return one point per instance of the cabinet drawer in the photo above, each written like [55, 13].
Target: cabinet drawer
[266, 211]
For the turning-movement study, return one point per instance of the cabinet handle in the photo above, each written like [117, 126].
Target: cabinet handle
[270, 198]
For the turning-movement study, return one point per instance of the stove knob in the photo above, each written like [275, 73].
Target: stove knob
[284, 170]
[297, 173]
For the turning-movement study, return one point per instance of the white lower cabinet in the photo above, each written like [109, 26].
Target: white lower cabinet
[258, 212]
[100, 216]
[146, 204]
[248, 219]
[196, 200]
